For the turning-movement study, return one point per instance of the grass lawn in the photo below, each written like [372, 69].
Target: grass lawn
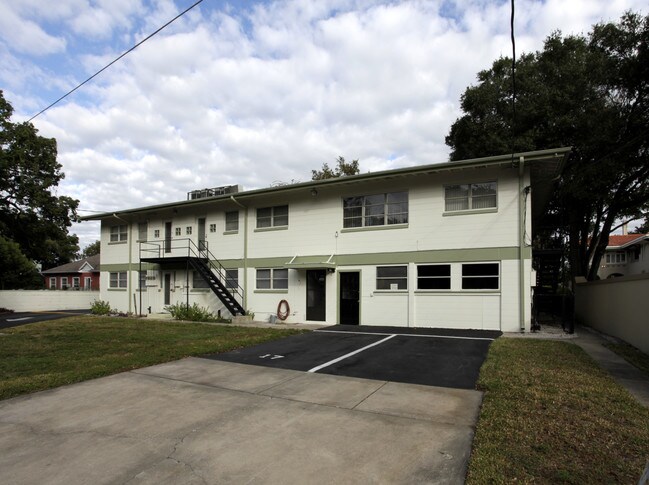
[632, 355]
[50, 354]
[551, 415]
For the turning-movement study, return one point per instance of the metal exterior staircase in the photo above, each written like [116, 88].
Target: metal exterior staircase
[199, 257]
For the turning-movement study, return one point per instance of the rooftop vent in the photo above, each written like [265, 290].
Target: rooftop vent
[203, 193]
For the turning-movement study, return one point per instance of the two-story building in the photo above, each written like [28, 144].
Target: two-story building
[445, 245]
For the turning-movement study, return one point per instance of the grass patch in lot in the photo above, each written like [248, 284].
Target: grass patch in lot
[50, 354]
[632, 355]
[551, 415]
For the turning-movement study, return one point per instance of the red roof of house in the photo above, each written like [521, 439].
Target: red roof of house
[616, 241]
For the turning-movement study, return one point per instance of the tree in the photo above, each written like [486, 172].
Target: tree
[30, 214]
[16, 271]
[342, 169]
[91, 249]
[589, 92]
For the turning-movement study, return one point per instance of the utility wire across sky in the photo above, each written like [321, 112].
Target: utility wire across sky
[116, 59]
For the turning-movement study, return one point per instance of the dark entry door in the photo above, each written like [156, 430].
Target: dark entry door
[167, 237]
[316, 295]
[202, 246]
[350, 298]
[167, 289]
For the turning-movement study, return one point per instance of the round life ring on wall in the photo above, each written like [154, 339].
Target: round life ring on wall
[282, 314]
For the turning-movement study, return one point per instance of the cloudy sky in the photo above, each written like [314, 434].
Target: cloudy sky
[254, 92]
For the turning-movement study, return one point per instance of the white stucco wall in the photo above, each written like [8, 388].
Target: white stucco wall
[45, 300]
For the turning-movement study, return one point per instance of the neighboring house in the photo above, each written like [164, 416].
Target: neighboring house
[444, 245]
[626, 254]
[77, 275]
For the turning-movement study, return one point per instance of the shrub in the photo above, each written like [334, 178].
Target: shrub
[100, 307]
[194, 313]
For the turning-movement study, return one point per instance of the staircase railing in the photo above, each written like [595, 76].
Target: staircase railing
[186, 247]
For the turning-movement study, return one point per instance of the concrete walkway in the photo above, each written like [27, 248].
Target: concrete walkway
[201, 421]
[625, 374]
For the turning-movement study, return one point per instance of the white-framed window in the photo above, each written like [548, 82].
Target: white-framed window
[87, 283]
[459, 197]
[272, 279]
[188, 230]
[480, 276]
[375, 210]
[64, 283]
[272, 216]
[198, 281]
[434, 277]
[118, 233]
[52, 282]
[212, 227]
[232, 278]
[118, 280]
[232, 220]
[76, 282]
[178, 231]
[142, 231]
[618, 257]
[156, 233]
[392, 277]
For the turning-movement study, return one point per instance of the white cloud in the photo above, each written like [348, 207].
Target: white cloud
[254, 97]
[26, 36]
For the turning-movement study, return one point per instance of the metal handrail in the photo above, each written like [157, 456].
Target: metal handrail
[165, 249]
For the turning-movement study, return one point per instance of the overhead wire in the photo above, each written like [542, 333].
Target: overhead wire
[115, 60]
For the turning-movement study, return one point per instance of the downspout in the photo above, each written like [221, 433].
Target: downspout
[130, 259]
[521, 242]
[245, 251]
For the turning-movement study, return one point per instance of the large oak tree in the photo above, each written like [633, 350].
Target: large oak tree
[590, 92]
[31, 214]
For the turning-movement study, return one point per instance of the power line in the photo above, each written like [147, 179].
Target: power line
[115, 60]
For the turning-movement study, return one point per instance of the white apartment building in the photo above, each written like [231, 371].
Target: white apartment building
[445, 245]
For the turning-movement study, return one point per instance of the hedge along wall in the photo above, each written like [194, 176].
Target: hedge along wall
[44, 300]
[618, 307]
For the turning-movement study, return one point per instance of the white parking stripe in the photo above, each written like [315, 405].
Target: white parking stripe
[406, 335]
[327, 364]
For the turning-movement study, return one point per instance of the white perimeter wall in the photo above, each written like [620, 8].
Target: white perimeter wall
[618, 307]
[43, 300]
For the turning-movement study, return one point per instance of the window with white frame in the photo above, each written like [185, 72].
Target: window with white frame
[53, 283]
[156, 233]
[459, 197]
[87, 283]
[232, 278]
[618, 257]
[118, 233]
[480, 276]
[375, 210]
[272, 279]
[232, 220]
[142, 230]
[141, 280]
[178, 231]
[76, 282]
[188, 230]
[64, 283]
[198, 281]
[434, 277]
[392, 277]
[212, 227]
[117, 280]
[272, 216]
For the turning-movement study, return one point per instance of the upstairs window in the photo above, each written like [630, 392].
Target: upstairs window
[375, 210]
[470, 196]
[179, 231]
[212, 227]
[272, 217]
[118, 233]
[142, 230]
[232, 220]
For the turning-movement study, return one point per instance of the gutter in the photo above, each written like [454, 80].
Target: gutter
[245, 251]
[521, 242]
[130, 258]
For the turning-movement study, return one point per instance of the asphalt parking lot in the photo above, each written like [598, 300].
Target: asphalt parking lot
[8, 320]
[433, 357]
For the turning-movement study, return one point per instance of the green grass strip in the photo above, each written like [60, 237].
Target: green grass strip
[632, 355]
[50, 354]
[551, 415]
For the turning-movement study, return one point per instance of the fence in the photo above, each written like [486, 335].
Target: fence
[43, 300]
[618, 307]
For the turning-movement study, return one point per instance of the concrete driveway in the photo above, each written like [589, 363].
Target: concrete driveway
[205, 421]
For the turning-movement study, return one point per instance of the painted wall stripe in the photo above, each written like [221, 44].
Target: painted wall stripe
[408, 335]
[327, 364]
